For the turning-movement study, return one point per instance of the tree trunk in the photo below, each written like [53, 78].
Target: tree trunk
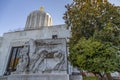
[97, 74]
[83, 74]
[108, 75]
[103, 78]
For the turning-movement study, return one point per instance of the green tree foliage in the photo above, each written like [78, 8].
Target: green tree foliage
[93, 56]
[95, 37]
[86, 18]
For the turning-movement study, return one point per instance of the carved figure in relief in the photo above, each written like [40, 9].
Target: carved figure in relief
[24, 59]
[37, 59]
[59, 56]
[32, 47]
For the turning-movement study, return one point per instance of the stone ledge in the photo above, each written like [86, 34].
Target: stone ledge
[39, 77]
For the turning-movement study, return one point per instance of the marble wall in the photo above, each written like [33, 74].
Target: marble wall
[40, 77]
[18, 38]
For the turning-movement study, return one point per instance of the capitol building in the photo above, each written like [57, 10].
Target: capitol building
[39, 52]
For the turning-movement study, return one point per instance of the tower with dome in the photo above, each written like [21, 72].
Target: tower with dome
[38, 19]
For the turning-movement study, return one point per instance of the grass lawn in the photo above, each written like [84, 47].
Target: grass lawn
[90, 78]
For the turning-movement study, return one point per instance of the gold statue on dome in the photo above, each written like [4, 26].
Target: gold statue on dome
[41, 9]
[105, 1]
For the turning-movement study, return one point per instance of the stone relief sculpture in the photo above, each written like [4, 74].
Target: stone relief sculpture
[38, 58]
[60, 56]
[32, 45]
[24, 59]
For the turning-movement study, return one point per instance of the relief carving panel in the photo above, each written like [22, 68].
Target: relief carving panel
[43, 56]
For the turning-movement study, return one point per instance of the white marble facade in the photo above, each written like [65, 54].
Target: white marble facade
[37, 30]
[13, 39]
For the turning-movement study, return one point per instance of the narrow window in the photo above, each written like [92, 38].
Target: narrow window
[54, 36]
[13, 60]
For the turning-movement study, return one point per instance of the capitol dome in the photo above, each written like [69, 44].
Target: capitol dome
[38, 19]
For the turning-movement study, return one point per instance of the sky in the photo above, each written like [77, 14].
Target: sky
[13, 13]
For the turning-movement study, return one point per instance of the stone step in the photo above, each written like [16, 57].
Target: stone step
[3, 77]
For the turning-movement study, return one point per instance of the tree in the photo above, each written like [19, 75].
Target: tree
[95, 38]
[94, 56]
